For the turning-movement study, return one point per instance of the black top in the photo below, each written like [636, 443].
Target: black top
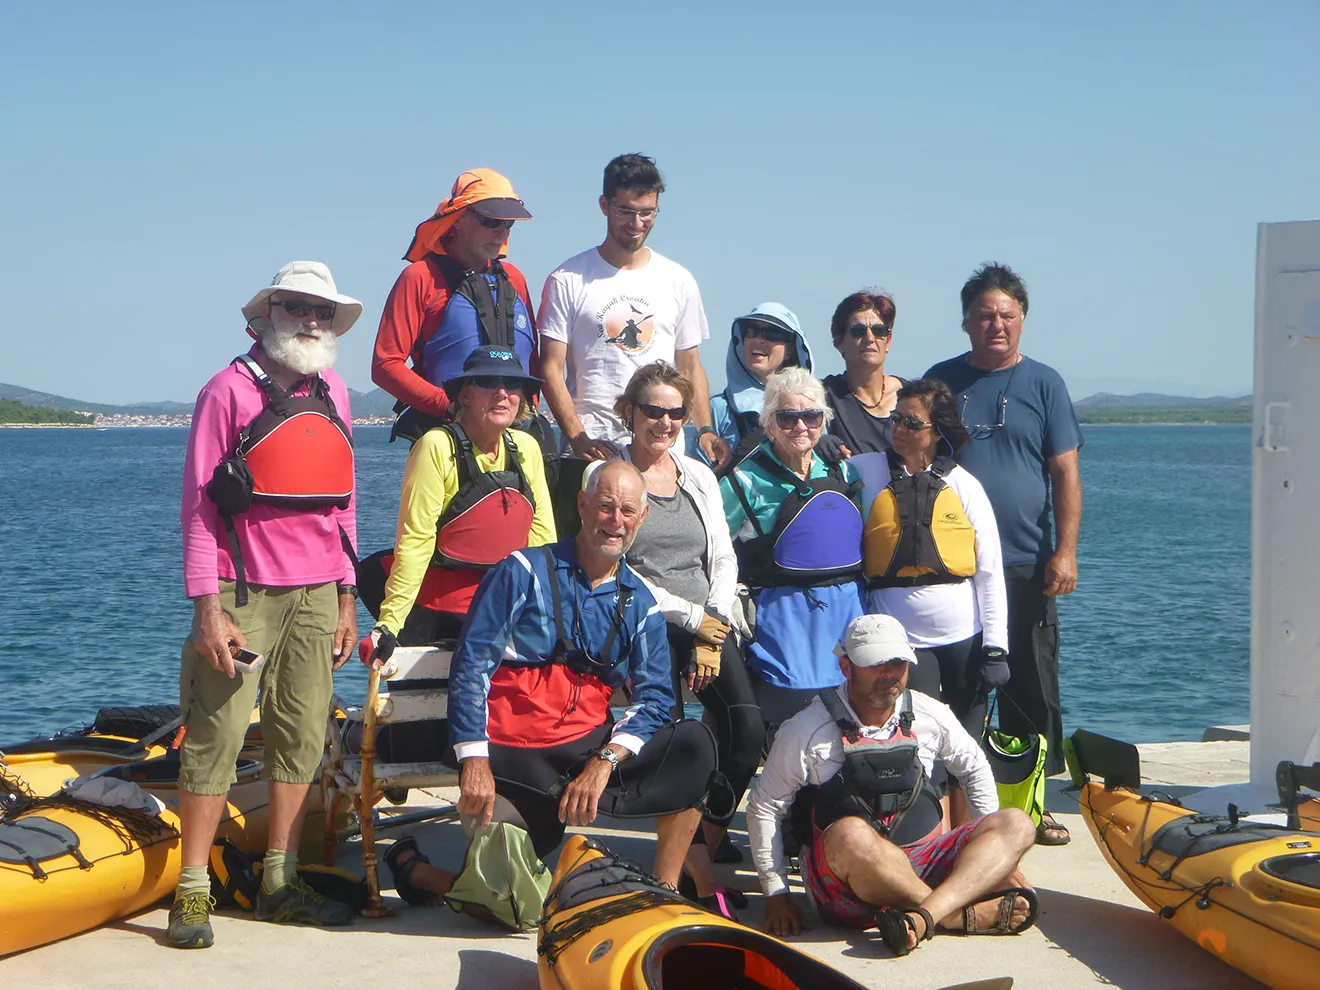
[853, 424]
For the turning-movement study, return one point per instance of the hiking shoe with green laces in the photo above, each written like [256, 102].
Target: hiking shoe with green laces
[190, 921]
[297, 903]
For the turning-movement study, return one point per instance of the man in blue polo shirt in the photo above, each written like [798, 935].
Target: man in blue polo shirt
[551, 633]
[1026, 438]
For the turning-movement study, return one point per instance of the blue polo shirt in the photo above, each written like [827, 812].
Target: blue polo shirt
[512, 621]
[1012, 463]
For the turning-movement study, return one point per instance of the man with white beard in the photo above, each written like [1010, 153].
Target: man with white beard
[268, 532]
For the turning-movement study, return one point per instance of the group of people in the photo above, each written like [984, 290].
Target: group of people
[840, 572]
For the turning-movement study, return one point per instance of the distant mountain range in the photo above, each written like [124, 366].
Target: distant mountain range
[373, 403]
[1102, 407]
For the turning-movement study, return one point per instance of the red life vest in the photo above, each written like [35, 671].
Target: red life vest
[489, 517]
[295, 453]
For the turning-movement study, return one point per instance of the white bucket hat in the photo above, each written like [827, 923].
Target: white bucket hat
[310, 278]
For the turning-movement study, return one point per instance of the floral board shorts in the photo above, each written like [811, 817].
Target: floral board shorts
[839, 906]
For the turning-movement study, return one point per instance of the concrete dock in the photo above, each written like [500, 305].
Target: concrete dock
[1092, 932]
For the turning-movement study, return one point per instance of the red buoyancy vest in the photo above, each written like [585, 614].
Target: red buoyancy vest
[297, 448]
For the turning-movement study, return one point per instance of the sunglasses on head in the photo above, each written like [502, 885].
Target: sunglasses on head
[301, 308]
[908, 422]
[492, 223]
[859, 330]
[810, 418]
[656, 413]
[775, 335]
[495, 381]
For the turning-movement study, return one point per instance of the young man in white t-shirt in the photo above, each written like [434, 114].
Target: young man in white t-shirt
[614, 308]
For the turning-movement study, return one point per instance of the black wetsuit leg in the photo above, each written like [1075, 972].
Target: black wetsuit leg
[1032, 692]
[672, 773]
[959, 666]
[739, 731]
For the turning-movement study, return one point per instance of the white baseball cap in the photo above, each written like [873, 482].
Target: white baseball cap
[875, 639]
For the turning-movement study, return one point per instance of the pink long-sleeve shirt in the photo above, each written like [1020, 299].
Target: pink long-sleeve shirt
[282, 547]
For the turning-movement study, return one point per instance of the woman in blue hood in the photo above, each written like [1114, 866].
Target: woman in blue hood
[765, 340]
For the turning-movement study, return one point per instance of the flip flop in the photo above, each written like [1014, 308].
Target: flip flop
[402, 873]
[1003, 923]
[895, 923]
[1048, 825]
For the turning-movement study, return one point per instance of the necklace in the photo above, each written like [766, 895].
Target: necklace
[884, 388]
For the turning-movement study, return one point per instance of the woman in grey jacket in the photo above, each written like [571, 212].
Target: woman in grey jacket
[684, 552]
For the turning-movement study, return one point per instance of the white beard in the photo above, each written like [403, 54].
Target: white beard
[288, 346]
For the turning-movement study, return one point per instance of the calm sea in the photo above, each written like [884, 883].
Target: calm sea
[1155, 640]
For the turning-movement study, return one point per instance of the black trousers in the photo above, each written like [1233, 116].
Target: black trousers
[673, 772]
[950, 673]
[739, 731]
[1030, 700]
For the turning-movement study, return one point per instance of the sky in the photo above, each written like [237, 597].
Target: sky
[160, 161]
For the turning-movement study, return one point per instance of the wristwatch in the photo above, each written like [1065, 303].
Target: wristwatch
[609, 756]
[705, 429]
[347, 589]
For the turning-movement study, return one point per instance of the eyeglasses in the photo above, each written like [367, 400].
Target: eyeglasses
[493, 382]
[775, 335]
[656, 413]
[984, 431]
[301, 308]
[646, 216]
[812, 419]
[492, 223]
[908, 422]
[859, 330]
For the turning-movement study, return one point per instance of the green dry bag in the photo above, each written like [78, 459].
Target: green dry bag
[503, 875]
[1019, 767]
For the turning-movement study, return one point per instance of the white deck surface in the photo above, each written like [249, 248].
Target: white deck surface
[1092, 932]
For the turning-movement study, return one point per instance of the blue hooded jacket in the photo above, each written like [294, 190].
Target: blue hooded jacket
[744, 391]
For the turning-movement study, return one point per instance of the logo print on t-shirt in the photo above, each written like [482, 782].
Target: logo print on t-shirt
[628, 327]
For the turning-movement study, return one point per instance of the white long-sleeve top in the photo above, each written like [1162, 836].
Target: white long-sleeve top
[940, 614]
[809, 750]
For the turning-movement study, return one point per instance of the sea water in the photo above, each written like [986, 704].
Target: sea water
[92, 613]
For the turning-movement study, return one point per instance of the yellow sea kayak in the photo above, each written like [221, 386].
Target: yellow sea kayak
[67, 867]
[1249, 893]
[607, 924]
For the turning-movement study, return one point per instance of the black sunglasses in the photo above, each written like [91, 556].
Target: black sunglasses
[656, 413]
[910, 422]
[301, 308]
[859, 330]
[776, 335]
[494, 224]
[810, 418]
[495, 381]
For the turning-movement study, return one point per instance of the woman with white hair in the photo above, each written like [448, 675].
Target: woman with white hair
[797, 528]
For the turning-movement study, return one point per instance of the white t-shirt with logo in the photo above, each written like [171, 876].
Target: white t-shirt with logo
[614, 321]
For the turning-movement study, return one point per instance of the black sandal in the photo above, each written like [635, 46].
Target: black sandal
[895, 923]
[402, 873]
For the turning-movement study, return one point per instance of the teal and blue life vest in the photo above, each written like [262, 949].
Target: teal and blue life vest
[484, 308]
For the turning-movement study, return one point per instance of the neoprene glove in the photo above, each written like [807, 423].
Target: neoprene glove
[830, 448]
[712, 630]
[994, 670]
[378, 644]
[707, 660]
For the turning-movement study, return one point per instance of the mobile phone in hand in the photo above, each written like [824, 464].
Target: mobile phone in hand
[245, 660]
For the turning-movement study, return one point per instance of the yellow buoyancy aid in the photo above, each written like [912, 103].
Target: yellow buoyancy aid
[917, 531]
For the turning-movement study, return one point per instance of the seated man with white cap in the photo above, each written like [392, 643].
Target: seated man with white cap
[849, 774]
[268, 531]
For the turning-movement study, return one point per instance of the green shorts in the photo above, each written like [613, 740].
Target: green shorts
[294, 629]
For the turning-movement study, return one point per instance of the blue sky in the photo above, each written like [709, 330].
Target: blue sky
[162, 160]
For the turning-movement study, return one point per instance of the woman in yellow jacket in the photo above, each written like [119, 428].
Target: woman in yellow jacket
[474, 490]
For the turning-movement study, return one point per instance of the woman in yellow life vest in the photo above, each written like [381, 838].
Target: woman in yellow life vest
[931, 553]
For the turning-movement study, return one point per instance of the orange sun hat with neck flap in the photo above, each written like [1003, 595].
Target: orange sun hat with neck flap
[483, 189]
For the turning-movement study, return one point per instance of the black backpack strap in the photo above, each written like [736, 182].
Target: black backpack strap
[348, 547]
[514, 464]
[468, 468]
[850, 729]
[236, 555]
[616, 623]
[506, 302]
[556, 598]
[905, 715]
[276, 396]
[896, 472]
[747, 506]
